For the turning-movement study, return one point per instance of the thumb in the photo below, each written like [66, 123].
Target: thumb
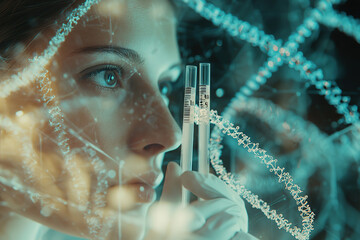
[172, 184]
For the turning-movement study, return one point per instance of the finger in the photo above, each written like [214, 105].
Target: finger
[172, 184]
[243, 236]
[220, 226]
[208, 208]
[208, 187]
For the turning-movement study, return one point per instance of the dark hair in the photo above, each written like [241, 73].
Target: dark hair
[22, 20]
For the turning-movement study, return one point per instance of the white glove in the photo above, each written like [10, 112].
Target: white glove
[221, 213]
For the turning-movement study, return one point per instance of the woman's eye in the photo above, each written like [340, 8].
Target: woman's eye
[106, 77]
[110, 78]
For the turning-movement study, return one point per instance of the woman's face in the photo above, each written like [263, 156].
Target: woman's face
[107, 79]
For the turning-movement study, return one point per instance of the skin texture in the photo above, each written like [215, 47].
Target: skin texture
[106, 79]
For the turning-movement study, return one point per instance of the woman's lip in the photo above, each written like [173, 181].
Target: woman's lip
[128, 196]
[151, 179]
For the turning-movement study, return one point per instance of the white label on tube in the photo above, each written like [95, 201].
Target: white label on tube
[204, 103]
[189, 103]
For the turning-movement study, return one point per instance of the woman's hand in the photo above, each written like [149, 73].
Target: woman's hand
[220, 214]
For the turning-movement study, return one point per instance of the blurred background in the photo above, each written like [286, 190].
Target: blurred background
[286, 116]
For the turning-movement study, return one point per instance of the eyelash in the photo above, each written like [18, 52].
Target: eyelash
[87, 74]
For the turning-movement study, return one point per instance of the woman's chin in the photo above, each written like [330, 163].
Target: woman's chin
[132, 223]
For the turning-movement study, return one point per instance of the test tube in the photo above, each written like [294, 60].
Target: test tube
[188, 125]
[204, 118]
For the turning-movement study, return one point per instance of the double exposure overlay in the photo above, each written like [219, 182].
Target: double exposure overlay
[91, 106]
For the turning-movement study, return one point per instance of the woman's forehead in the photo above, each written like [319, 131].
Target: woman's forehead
[146, 27]
[156, 9]
[125, 22]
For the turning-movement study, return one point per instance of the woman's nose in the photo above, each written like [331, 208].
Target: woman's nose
[153, 130]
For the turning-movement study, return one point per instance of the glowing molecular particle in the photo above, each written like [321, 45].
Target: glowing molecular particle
[46, 211]
[19, 113]
[111, 174]
[219, 92]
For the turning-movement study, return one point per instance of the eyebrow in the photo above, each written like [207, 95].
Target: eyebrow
[120, 51]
